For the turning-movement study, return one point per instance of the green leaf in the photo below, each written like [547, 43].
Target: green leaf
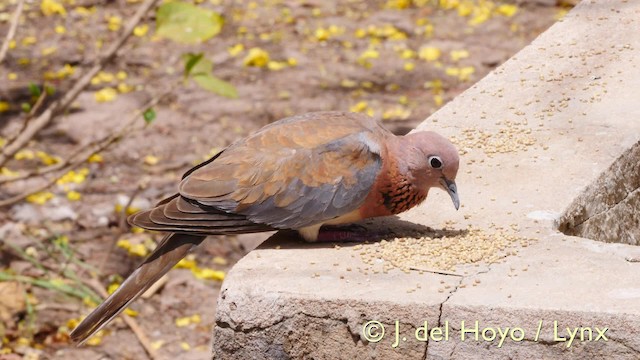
[187, 23]
[34, 90]
[215, 85]
[26, 107]
[50, 90]
[190, 61]
[149, 115]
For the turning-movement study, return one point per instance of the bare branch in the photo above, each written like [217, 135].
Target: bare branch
[54, 108]
[12, 30]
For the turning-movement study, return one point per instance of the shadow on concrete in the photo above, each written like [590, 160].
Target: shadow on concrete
[379, 229]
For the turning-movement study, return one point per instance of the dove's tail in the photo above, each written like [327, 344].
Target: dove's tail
[171, 250]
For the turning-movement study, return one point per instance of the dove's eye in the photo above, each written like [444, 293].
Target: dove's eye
[435, 162]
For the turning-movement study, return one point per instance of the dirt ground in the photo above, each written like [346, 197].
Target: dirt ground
[375, 57]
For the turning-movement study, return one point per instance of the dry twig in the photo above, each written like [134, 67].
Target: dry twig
[12, 30]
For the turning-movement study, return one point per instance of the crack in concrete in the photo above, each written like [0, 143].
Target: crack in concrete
[440, 311]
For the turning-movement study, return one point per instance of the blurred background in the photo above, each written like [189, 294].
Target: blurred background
[96, 124]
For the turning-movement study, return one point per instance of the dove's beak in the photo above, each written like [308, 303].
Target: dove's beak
[452, 189]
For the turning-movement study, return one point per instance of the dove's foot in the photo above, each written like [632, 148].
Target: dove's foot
[348, 233]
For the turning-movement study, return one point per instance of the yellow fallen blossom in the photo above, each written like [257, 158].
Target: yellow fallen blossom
[74, 176]
[409, 66]
[124, 88]
[67, 70]
[105, 95]
[48, 51]
[40, 198]
[321, 34]
[137, 230]
[437, 99]
[347, 83]
[8, 172]
[89, 302]
[360, 106]
[47, 159]
[403, 99]
[507, 10]
[141, 30]
[130, 210]
[121, 75]
[133, 249]
[24, 154]
[276, 65]
[465, 9]
[73, 195]
[463, 74]
[104, 76]
[560, 13]
[188, 262]
[219, 260]
[29, 40]
[114, 23]
[4, 106]
[96, 339]
[457, 55]
[138, 250]
[72, 323]
[130, 312]
[480, 17]
[185, 346]
[12, 76]
[236, 49]
[429, 53]
[188, 320]
[52, 7]
[151, 160]
[434, 85]
[364, 57]
[59, 29]
[12, 44]
[124, 243]
[397, 4]
[113, 286]
[95, 158]
[208, 274]
[397, 113]
[407, 54]
[256, 57]
[157, 344]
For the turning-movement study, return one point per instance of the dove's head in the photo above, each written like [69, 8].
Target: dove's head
[433, 161]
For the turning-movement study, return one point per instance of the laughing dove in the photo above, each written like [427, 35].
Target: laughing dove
[299, 173]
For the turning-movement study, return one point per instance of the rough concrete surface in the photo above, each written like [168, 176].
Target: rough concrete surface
[534, 134]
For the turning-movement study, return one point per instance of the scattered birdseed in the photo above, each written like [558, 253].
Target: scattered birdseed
[474, 246]
[511, 136]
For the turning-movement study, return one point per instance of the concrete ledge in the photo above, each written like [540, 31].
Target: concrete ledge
[535, 133]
